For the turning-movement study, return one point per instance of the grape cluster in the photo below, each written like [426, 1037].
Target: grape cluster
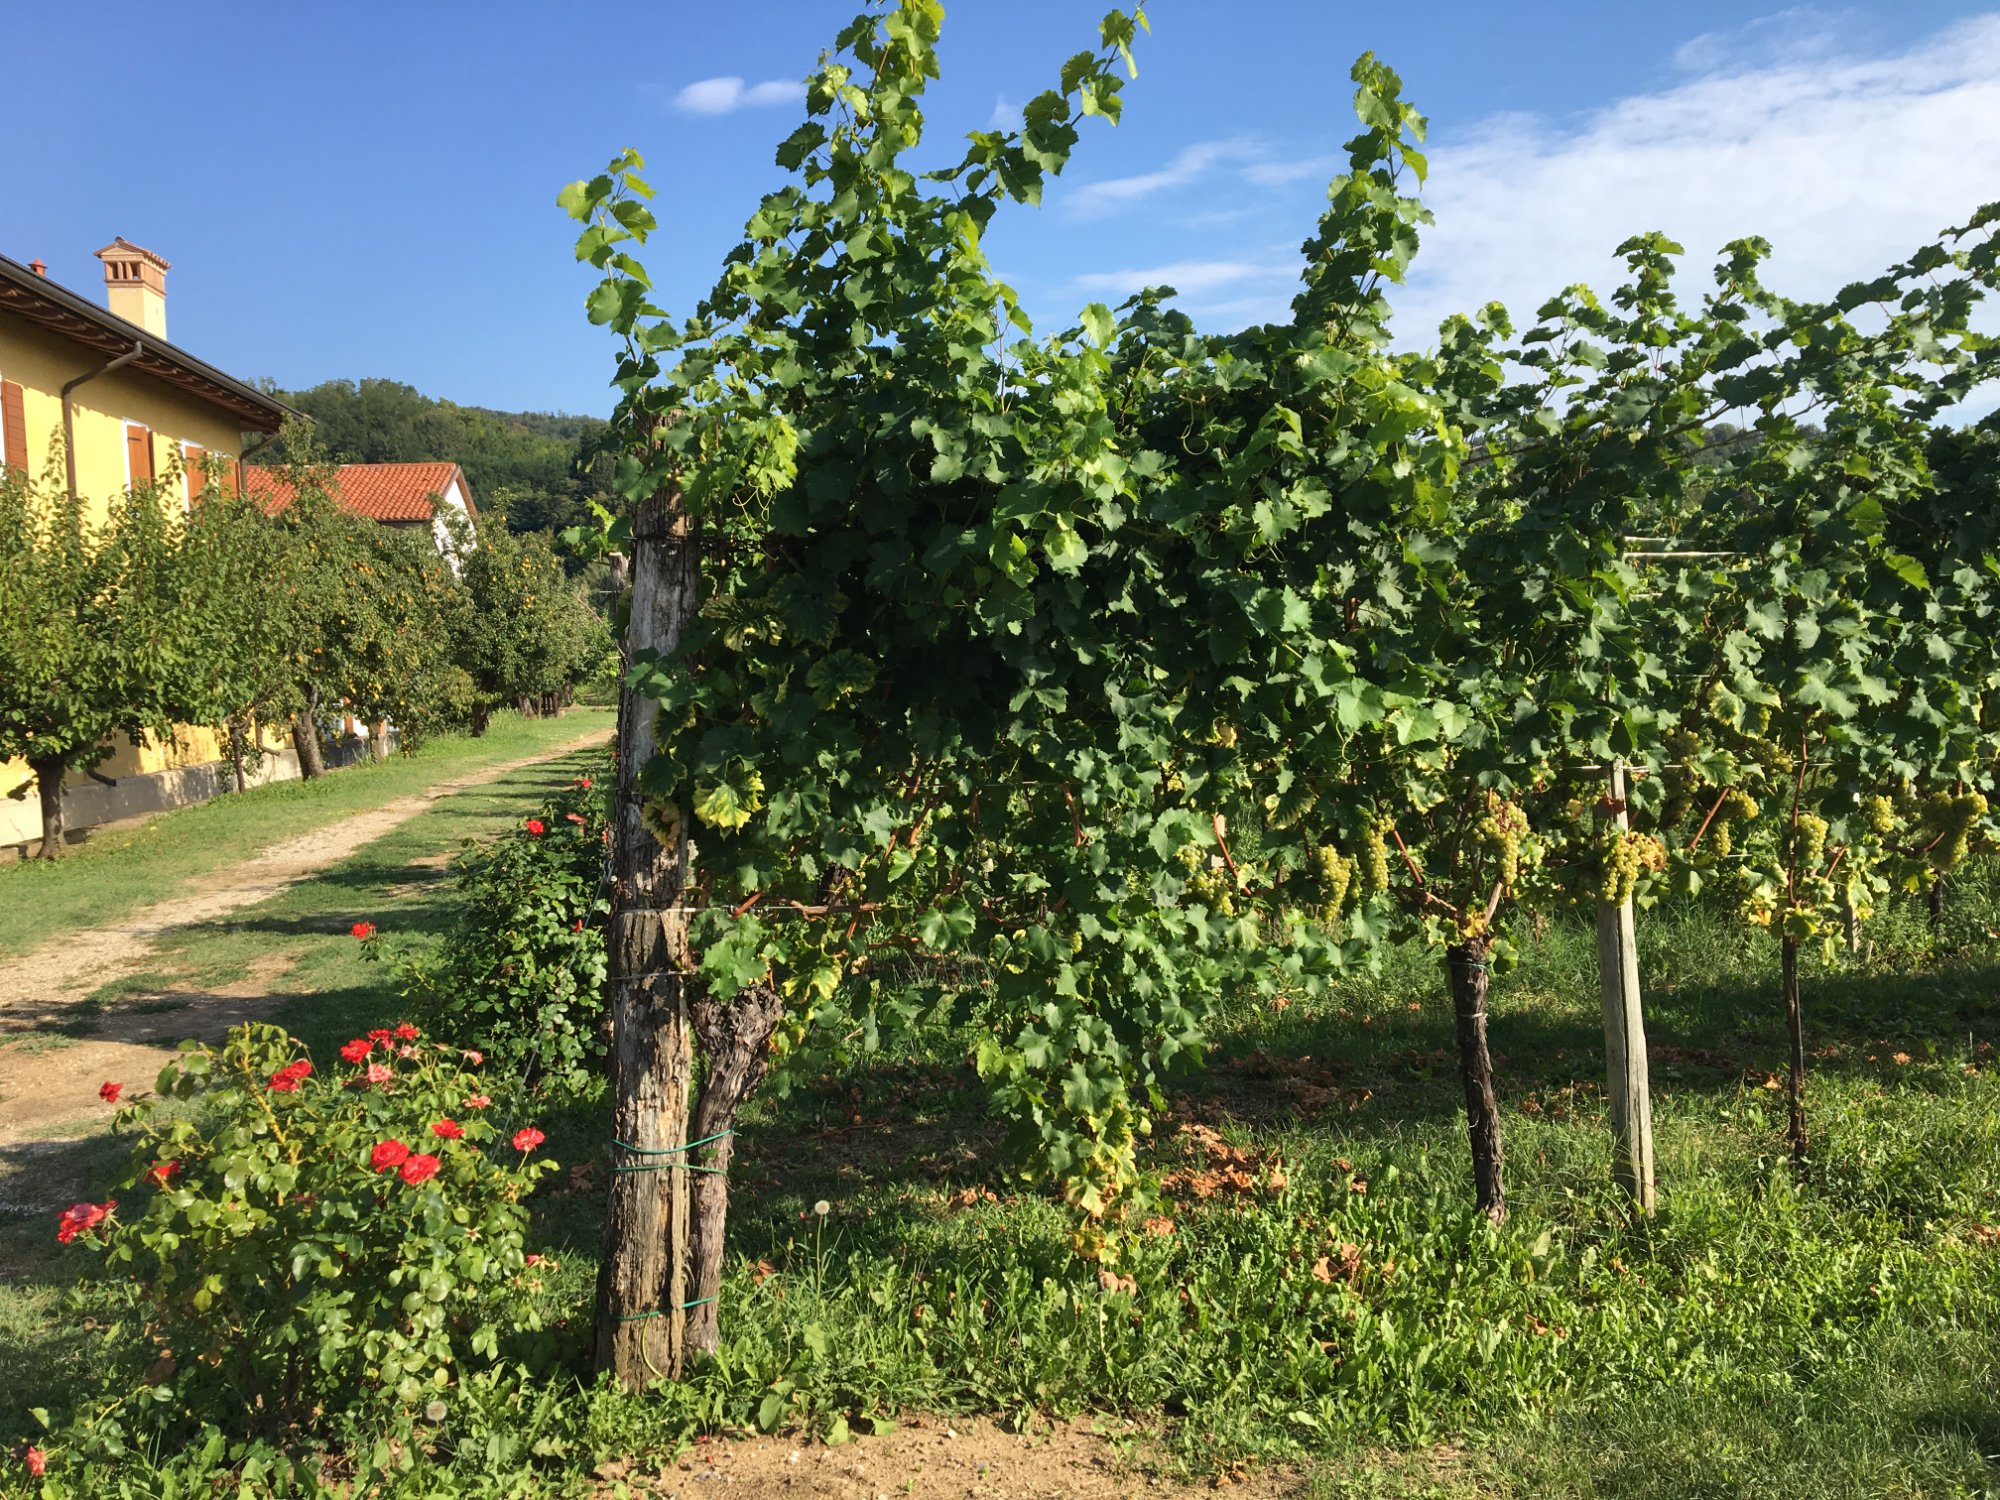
[1499, 835]
[1737, 807]
[1375, 854]
[1680, 778]
[1625, 856]
[1808, 844]
[1335, 873]
[1880, 815]
[1207, 883]
[1948, 821]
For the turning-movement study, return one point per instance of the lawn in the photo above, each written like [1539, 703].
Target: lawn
[1315, 1291]
[128, 865]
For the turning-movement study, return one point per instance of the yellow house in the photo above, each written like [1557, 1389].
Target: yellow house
[101, 392]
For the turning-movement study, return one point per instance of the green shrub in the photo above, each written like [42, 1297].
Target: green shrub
[302, 1245]
[522, 968]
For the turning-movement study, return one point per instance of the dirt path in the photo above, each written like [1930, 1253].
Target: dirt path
[931, 1458]
[41, 1090]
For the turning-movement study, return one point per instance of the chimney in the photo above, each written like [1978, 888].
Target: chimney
[135, 285]
[39, 266]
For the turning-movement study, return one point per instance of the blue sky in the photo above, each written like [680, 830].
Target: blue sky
[368, 189]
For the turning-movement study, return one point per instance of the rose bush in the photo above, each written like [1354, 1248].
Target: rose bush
[293, 1254]
[522, 968]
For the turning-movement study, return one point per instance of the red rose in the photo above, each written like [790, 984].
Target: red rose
[388, 1154]
[583, 782]
[477, 1101]
[110, 1091]
[80, 1217]
[36, 1460]
[286, 1079]
[419, 1168]
[450, 1130]
[407, 1033]
[379, 1074]
[576, 818]
[357, 1049]
[527, 1138]
[474, 1056]
[537, 827]
[363, 930]
[160, 1173]
[577, 925]
[378, 1035]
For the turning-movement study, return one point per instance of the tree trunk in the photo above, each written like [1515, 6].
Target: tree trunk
[642, 1285]
[48, 782]
[305, 739]
[735, 1047]
[378, 740]
[1795, 1084]
[1467, 962]
[1850, 928]
[236, 753]
[482, 718]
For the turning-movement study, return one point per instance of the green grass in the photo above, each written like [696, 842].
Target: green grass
[129, 865]
[1762, 1336]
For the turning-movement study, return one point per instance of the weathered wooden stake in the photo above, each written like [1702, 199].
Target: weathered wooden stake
[1625, 1034]
[643, 1280]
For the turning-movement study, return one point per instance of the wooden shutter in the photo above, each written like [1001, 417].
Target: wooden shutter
[191, 456]
[13, 428]
[139, 452]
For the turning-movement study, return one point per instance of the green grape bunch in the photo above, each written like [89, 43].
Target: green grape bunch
[1335, 874]
[1375, 853]
[1947, 822]
[1499, 835]
[1624, 858]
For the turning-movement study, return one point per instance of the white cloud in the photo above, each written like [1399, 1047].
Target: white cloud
[1190, 277]
[1005, 116]
[1791, 128]
[719, 96]
[1250, 158]
[1844, 162]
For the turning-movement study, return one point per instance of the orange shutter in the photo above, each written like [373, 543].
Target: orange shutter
[196, 474]
[139, 452]
[13, 428]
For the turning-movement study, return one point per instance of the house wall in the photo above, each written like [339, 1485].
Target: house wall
[41, 363]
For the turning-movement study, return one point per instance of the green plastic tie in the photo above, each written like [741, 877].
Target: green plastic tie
[661, 1312]
[668, 1166]
[668, 1150]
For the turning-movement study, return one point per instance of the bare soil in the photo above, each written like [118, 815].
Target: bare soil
[931, 1458]
[55, 1050]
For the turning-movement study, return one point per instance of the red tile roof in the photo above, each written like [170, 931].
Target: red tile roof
[381, 492]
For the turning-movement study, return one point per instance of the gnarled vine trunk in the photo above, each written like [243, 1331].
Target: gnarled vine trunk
[48, 785]
[1469, 981]
[378, 740]
[1795, 1082]
[735, 1047]
[642, 1285]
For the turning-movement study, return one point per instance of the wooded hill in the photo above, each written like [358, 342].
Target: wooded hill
[536, 469]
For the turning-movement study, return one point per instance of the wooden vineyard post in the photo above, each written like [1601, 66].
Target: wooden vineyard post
[642, 1285]
[1625, 1034]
